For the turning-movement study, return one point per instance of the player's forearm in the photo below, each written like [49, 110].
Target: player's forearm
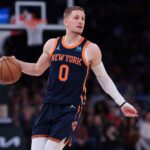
[110, 88]
[107, 84]
[29, 68]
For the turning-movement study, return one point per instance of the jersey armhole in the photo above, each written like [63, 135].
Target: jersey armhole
[83, 53]
[54, 46]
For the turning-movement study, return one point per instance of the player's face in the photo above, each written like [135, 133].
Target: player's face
[75, 21]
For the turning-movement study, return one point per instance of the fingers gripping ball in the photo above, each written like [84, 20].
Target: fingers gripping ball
[10, 70]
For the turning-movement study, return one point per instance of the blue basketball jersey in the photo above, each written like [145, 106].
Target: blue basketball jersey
[67, 74]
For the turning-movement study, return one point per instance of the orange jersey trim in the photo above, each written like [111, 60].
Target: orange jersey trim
[83, 97]
[71, 46]
[55, 140]
[54, 46]
[46, 136]
[39, 136]
[83, 54]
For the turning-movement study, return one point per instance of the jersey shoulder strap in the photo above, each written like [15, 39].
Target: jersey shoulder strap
[54, 46]
[84, 45]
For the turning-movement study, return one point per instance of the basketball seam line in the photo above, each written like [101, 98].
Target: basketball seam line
[9, 70]
[1, 70]
[18, 67]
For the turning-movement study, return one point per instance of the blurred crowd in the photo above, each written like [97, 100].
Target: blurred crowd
[122, 31]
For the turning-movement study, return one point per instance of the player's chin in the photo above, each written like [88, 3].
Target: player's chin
[78, 31]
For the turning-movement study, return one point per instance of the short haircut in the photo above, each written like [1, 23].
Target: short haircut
[68, 10]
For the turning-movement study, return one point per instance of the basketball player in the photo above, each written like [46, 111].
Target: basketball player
[69, 59]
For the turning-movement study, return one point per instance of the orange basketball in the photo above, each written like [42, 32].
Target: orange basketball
[10, 70]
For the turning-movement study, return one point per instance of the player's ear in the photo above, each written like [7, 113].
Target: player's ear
[65, 22]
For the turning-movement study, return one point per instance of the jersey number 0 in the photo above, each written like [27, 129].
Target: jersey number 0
[63, 72]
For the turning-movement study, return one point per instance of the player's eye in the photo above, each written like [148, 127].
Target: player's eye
[76, 17]
[83, 18]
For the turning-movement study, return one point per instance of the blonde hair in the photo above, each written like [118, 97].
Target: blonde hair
[68, 10]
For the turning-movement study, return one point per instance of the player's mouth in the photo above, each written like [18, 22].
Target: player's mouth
[79, 27]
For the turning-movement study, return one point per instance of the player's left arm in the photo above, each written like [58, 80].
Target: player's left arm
[94, 57]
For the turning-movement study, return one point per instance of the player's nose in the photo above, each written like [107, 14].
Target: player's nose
[81, 20]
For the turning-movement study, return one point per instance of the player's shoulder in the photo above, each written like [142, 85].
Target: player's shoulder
[49, 44]
[51, 41]
[93, 53]
[92, 46]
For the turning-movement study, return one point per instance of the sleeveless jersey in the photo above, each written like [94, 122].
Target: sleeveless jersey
[67, 74]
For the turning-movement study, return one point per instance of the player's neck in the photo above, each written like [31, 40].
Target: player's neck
[71, 39]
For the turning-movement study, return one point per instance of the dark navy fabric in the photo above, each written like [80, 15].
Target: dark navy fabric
[68, 65]
[55, 121]
[62, 101]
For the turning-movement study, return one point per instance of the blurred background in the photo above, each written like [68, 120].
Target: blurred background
[121, 29]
